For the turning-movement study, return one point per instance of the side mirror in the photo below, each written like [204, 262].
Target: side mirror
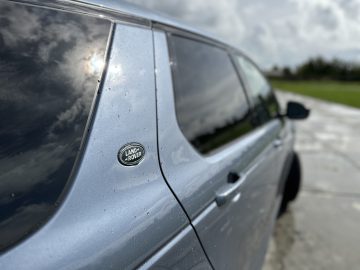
[296, 110]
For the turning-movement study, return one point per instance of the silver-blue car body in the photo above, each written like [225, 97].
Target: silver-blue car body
[181, 155]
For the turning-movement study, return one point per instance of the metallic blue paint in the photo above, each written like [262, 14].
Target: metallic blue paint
[113, 216]
[119, 217]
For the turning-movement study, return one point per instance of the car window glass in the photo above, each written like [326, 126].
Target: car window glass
[50, 63]
[260, 93]
[211, 106]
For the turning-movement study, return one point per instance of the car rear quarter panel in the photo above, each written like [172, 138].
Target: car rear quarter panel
[114, 216]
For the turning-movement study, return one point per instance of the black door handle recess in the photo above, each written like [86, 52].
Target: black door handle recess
[233, 177]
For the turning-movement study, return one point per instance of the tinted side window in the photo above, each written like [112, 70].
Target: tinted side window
[261, 96]
[210, 103]
[50, 62]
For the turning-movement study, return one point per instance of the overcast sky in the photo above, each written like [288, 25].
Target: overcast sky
[281, 32]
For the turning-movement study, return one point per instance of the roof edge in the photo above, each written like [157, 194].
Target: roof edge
[135, 11]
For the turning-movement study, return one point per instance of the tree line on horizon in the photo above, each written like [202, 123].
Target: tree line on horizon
[319, 69]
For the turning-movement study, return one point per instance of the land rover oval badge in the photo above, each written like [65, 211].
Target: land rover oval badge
[131, 154]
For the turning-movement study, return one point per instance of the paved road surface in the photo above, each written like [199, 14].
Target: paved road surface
[322, 228]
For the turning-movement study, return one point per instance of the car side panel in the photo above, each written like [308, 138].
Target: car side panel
[231, 234]
[239, 228]
[287, 153]
[183, 252]
[114, 216]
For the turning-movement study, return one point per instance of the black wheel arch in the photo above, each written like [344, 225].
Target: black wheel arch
[291, 183]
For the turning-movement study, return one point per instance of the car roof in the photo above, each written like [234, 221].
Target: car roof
[135, 12]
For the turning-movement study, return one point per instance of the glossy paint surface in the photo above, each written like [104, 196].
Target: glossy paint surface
[114, 216]
[119, 217]
[183, 252]
[50, 63]
[231, 234]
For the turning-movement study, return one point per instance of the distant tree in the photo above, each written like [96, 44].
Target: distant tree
[275, 68]
[287, 73]
[319, 68]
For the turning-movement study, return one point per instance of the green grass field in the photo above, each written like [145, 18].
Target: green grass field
[347, 93]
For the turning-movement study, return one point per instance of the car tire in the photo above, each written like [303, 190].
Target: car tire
[292, 184]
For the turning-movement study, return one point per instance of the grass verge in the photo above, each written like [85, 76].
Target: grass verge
[347, 93]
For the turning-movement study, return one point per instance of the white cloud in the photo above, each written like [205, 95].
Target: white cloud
[62, 88]
[283, 32]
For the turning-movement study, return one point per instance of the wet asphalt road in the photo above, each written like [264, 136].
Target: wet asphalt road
[321, 230]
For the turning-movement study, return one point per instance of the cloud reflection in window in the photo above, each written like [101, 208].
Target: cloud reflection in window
[50, 62]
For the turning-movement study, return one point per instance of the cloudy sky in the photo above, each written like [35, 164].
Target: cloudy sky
[281, 32]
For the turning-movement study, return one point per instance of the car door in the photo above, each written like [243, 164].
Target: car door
[219, 163]
[265, 108]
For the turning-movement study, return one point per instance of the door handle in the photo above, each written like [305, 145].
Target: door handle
[277, 143]
[227, 192]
